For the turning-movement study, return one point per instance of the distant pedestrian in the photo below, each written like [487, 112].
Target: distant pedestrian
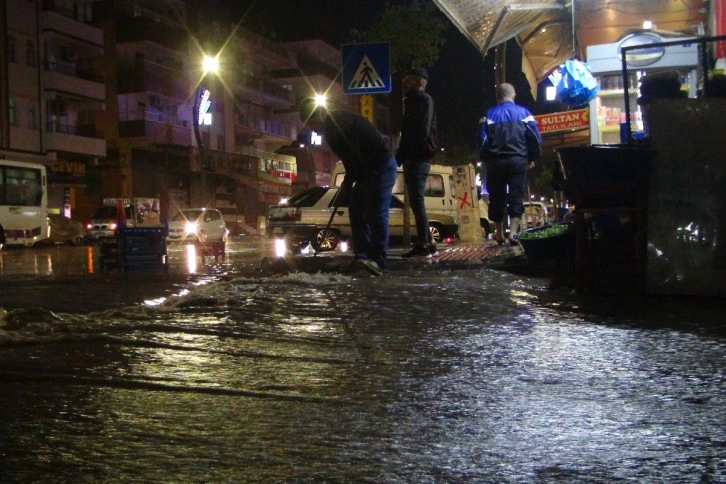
[370, 172]
[510, 143]
[415, 153]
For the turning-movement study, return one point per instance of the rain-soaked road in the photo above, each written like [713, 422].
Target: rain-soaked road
[432, 373]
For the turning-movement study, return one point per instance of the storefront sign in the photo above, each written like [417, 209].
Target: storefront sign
[644, 55]
[719, 14]
[69, 167]
[549, 123]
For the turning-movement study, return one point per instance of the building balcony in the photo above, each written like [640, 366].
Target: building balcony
[156, 127]
[153, 78]
[268, 52]
[74, 139]
[65, 78]
[247, 128]
[58, 19]
[309, 67]
[144, 29]
[265, 92]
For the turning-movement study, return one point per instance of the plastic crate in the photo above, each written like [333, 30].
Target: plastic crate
[543, 249]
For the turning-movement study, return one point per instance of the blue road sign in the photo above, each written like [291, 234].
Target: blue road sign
[366, 68]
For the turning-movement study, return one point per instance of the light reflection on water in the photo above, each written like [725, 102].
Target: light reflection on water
[434, 377]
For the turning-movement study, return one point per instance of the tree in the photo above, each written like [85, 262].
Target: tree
[415, 32]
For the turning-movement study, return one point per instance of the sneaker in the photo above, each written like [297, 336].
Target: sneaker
[351, 267]
[433, 250]
[418, 252]
[371, 266]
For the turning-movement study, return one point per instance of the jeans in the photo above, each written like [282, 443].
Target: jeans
[368, 212]
[415, 175]
[506, 181]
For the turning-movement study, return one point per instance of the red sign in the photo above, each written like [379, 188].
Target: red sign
[720, 26]
[565, 120]
[464, 201]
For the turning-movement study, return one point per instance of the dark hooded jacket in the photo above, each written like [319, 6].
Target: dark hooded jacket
[418, 129]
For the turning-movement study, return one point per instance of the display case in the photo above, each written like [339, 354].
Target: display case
[608, 111]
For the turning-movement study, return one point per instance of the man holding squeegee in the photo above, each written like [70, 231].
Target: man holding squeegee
[370, 172]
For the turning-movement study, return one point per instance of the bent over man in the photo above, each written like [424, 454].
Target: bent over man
[370, 172]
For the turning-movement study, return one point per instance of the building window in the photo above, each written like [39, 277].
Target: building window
[12, 113]
[83, 12]
[11, 49]
[30, 57]
[32, 117]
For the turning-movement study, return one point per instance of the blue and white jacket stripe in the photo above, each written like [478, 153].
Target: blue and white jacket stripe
[509, 130]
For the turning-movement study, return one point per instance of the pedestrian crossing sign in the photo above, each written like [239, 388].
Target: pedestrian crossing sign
[366, 68]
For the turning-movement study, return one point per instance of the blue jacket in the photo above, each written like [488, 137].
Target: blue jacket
[509, 130]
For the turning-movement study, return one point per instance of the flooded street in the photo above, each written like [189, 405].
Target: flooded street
[218, 372]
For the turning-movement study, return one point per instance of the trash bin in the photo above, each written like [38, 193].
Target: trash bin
[608, 182]
[605, 175]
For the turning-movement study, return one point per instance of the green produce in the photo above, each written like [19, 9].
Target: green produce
[545, 232]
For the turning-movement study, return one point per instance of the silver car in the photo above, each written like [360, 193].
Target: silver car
[309, 212]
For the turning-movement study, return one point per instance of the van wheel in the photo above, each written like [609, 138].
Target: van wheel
[436, 232]
[326, 240]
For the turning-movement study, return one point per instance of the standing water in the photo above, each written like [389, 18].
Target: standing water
[417, 376]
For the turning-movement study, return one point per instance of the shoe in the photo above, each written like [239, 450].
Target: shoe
[498, 240]
[351, 267]
[371, 266]
[433, 250]
[513, 242]
[417, 252]
[509, 241]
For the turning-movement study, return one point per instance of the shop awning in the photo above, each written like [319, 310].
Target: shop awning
[543, 28]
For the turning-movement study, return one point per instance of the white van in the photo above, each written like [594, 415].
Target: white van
[439, 194]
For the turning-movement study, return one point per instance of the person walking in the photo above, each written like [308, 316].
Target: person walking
[510, 143]
[415, 153]
[370, 172]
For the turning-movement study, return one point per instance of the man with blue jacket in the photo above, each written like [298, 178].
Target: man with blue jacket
[510, 143]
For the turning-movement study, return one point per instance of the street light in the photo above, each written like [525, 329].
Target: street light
[202, 104]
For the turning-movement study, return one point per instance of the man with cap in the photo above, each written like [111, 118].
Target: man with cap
[415, 153]
[370, 172]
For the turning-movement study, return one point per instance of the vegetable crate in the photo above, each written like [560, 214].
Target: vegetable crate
[548, 242]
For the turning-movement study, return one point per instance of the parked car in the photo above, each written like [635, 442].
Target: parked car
[64, 230]
[193, 225]
[311, 210]
[104, 222]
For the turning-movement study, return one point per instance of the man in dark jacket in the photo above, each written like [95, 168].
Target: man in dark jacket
[370, 172]
[510, 143]
[416, 152]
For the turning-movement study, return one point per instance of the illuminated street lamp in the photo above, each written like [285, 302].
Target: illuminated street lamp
[202, 115]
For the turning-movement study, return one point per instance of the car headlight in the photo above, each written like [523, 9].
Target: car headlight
[190, 228]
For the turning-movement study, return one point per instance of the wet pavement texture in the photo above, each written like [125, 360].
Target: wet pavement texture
[435, 372]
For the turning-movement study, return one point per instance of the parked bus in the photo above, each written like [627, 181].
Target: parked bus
[23, 203]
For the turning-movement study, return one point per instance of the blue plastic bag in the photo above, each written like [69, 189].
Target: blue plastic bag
[575, 85]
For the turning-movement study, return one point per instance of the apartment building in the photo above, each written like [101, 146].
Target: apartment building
[108, 94]
[51, 93]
